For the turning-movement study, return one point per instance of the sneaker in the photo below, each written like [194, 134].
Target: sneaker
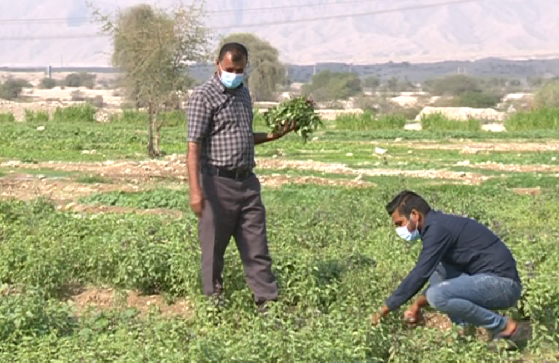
[520, 335]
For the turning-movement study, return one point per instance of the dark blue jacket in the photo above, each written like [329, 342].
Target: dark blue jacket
[461, 242]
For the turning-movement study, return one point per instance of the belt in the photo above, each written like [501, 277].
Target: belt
[236, 174]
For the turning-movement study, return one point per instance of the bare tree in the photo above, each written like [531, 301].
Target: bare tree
[153, 48]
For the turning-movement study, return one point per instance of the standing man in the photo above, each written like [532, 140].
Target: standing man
[472, 273]
[224, 192]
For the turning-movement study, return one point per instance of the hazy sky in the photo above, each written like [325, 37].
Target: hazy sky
[305, 31]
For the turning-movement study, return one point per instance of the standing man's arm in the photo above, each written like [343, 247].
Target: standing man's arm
[193, 166]
[198, 119]
[262, 137]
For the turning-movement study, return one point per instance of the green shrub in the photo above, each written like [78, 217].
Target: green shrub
[80, 80]
[80, 113]
[36, 116]
[476, 100]
[7, 117]
[48, 83]
[12, 88]
[439, 122]
[539, 119]
[547, 96]
[367, 122]
[173, 118]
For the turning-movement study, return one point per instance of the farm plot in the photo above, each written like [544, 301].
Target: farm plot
[100, 258]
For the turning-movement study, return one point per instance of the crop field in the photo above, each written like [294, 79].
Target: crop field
[99, 256]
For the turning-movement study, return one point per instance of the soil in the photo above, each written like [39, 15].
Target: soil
[469, 147]
[106, 299]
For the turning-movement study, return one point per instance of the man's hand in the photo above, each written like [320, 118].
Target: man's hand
[197, 202]
[413, 314]
[381, 314]
[287, 128]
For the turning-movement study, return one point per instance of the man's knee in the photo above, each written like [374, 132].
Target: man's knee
[436, 297]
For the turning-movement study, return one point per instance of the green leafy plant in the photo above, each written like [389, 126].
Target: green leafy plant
[7, 117]
[300, 110]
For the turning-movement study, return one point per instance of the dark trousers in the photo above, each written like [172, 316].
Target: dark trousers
[235, 208]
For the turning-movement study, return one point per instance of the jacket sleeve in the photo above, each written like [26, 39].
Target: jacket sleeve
[435, 244]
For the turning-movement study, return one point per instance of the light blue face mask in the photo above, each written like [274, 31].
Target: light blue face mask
[230, 80]
[405, 233]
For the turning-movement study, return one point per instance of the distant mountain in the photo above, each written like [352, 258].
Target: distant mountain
[462, 31]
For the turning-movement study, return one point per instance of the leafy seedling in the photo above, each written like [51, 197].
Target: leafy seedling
[300, 110]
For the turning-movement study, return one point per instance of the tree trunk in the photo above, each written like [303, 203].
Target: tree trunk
[158, 126]
[151, 128]
[157, 140]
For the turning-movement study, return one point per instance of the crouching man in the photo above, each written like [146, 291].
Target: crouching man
[471, 271]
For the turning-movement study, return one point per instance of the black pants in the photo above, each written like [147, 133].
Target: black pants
[235, 208]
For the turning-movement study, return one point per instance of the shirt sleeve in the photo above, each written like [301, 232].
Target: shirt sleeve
[199, 117]
[435, 244]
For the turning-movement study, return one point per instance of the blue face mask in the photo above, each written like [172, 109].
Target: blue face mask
[230, 80]
[405, 233]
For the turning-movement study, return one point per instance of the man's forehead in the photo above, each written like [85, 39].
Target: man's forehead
[228, 61]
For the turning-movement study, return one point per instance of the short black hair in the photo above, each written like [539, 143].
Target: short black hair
[405, 202]
[237, 50]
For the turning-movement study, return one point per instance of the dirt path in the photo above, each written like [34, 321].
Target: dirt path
[134, 176]
[470, 147]
[464, 177]
[517, 168]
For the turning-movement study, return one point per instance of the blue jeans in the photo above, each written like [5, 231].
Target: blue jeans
[471, 299]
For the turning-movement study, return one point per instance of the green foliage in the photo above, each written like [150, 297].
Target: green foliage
[78, 113]
[367, 122]
[439, 122]
[12, 88]
[394, 84]
[47, 83]
[371, 82]
[169, 119]
[455, 85]
[36, 116]
[157, 198]
[331, 86]
[299, 110]
[24, 315]
[7, 117]
[476, 99]
[81, 79]
[540, 119]
[320, 316]
[266, 70]
[173, 118]
[547, 96]
[132, 117]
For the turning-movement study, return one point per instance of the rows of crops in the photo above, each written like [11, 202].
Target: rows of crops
[335, 254]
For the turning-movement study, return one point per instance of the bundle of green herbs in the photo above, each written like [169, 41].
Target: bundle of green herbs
[300, 110]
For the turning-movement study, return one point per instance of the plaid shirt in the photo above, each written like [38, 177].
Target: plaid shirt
[221, 120]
